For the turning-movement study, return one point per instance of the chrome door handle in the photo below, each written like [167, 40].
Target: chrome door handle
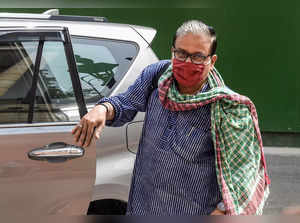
[58, 151]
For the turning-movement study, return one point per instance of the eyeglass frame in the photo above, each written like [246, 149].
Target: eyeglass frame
[189, 55]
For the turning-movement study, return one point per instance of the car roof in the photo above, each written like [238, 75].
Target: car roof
[81, 26]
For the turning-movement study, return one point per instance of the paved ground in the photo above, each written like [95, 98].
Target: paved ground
[284, 170]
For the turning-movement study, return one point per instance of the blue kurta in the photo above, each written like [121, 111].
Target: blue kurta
[174, 171]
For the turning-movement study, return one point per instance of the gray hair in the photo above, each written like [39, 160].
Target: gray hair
[197, 27]
[194, 27]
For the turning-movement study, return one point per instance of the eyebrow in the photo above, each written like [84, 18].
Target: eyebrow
[190, 53]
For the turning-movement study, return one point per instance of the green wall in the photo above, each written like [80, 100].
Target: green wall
[257, 53]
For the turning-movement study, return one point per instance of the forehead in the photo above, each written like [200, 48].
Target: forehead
[194, 43]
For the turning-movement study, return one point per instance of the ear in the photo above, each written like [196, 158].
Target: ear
[172, 54]
[213, 60]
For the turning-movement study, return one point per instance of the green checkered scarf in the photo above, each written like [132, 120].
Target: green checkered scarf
[240, 162]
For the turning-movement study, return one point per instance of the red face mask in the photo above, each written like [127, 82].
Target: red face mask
[187, 74]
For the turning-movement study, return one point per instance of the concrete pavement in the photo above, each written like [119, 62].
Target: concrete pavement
[283, 165]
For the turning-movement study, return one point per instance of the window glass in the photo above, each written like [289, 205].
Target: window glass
[55, 93]
[16, 72]
[101, 64]
[53, 99]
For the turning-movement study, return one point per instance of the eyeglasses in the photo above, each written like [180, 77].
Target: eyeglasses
[196, 58]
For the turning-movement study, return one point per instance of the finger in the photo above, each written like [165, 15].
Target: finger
[77, 132]
[74, 130]
[98, 131]
[213, 212]
[217, 212]
[89, 135]
[83, 133]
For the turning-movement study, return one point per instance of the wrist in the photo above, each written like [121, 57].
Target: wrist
[104, 106]
[108, 108]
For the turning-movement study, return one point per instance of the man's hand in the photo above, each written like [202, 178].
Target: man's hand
[89, 126]
[217, 212]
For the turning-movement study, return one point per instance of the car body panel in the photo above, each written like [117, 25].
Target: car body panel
[40, 187]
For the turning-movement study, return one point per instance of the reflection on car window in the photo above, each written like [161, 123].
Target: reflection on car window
[55, 84]
[53, 99]
[15, 81]
[101, 64]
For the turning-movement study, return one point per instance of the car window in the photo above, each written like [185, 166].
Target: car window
[53, 99]
[101, 64]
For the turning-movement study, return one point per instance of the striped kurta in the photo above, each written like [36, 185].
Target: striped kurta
[174, 171]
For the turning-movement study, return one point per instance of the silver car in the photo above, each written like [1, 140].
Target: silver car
[52, 70]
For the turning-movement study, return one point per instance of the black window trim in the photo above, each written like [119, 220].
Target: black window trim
[75, 77]
[35, 79]
[110, 39]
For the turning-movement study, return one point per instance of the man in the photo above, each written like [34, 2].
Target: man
[200, 152]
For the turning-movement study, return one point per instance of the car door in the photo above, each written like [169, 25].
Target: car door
[42, 171]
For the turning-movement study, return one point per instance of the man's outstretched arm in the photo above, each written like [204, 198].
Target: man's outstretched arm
[119, 109]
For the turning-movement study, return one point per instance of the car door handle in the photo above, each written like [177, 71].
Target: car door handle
[56, 152]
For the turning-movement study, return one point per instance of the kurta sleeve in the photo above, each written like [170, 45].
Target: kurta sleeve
[135, 99]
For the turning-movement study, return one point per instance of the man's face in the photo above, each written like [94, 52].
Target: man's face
[194, 44]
